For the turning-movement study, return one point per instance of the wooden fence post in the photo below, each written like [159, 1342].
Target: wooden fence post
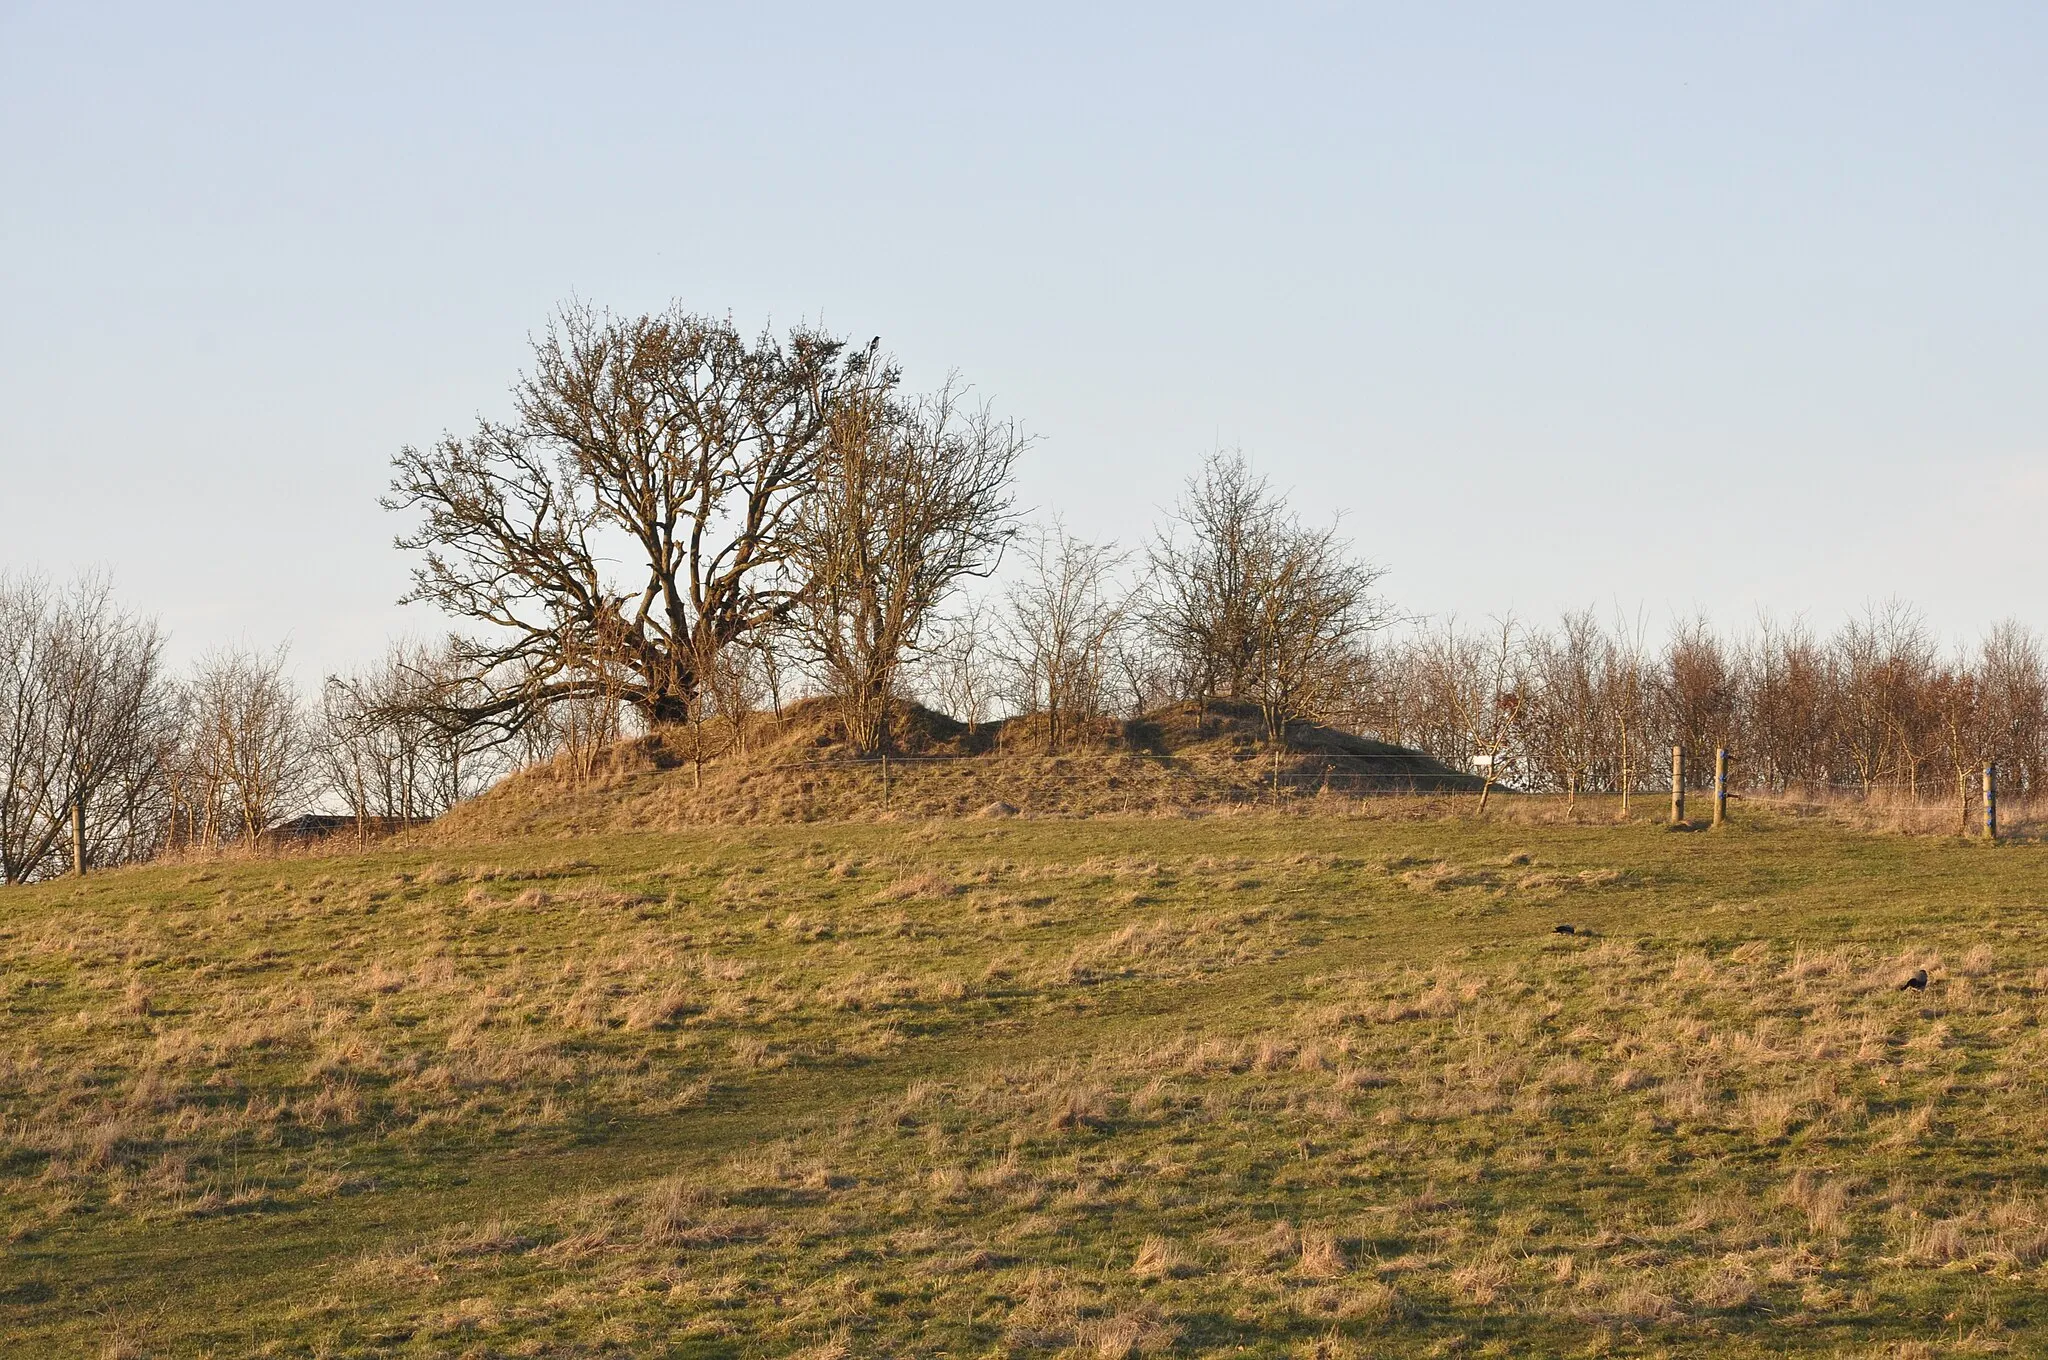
[1678, 786]
[1720, 785]
[78, 836]
[1990, 802]
[885, 781]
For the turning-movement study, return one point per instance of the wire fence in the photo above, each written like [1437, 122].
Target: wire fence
[1936, 789]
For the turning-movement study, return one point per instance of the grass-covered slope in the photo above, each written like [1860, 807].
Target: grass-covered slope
[796, 768]
[1257, 1085]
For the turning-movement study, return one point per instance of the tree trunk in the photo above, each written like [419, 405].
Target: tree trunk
[865, 714]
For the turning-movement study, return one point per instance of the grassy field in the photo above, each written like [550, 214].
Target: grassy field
[1264, 1085]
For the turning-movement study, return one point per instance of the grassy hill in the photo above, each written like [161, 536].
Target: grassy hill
[795, 768]
[1257, 1084]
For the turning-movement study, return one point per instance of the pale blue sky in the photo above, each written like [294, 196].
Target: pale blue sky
[1712, 307]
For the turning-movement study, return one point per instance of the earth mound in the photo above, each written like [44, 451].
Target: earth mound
[797, 766]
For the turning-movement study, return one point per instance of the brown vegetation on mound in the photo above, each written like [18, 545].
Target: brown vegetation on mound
[798, 768]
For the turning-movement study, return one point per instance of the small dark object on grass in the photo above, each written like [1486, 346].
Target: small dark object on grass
[1917, 982]
[1567, 930]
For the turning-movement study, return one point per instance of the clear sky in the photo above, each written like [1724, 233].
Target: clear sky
[1694, 308]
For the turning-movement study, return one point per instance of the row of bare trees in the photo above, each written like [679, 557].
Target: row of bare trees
[1587, 706]
[107, 757]
[1235, 598]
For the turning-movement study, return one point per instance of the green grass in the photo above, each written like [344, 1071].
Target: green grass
[1260, 1085]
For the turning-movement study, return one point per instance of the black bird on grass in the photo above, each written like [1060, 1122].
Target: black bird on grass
[1917, 982]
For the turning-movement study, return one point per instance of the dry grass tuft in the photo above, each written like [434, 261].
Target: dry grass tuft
[1160, 1258]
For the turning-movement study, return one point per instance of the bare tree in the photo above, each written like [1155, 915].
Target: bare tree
[1059, 630]
[249, 760]
[1249, 603]
[1563, 718]
[1792, 708]
[958, 666]
[2015, 697]
[1426, 693]
[736, 683]
[391, 742]
[31, 796]
[1700, 689]
[592, 716]
[665, 441]
[1199, 606]
[1451, 693]
[81, 716]
[1493, 707]
[765, 647]
[1315, 606]
[1626, 698]
[913, 498]
[1886, 660]
[373, 745]
[1148, 678]
[1955, 700]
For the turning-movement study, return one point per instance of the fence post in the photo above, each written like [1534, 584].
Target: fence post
[1720, 785]
[1678, 786]
[885, 781]
[78, 836]
[1991, 802]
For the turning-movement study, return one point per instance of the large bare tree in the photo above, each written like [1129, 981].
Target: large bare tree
[632, 520]
[913, 497]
